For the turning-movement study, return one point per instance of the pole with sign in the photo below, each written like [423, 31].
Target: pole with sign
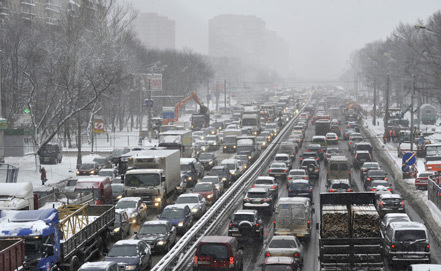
[98, 127]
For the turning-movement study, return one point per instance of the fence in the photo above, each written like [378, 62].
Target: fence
[8, 173]
[434, 193]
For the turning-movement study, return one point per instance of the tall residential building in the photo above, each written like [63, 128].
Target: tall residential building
[247, 38]
[155, 31]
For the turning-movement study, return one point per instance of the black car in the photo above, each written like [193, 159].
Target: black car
[348, 133]
[306, 155]
[223, 173]
[316, 148]
[121, 226]
[374, 174]
[390, 203]
[361, 157]
[208, 160]
[246, 224]
[131, 255]
[159, 234]
[300, 188]
[366, 167]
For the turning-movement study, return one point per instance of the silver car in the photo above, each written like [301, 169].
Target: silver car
[194, 201]
[216, 181]
[268, 182]
[285, 245]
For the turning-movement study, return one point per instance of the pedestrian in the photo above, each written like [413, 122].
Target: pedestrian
[389, 136]
[385, 138]
[394, 135]
[43, 176]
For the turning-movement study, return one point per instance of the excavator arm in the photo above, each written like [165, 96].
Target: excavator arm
[191, 96]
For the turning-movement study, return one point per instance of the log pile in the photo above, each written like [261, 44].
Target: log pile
[365, 221]
[335, 221]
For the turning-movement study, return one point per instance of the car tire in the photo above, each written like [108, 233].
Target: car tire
[149, 265]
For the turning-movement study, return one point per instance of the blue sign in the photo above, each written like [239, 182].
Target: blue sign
[409, 158]
[168, 115]
[148, 103]
[405, 168]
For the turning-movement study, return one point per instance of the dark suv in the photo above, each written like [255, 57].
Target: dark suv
[259, 198]
[311, 166]
[361, 157]
[374, 175]
[218, 253]
[223, 173]
[246, 224]
[316, 148]
[208, 160]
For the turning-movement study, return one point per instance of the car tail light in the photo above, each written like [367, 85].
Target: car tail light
[381, 204]
[385, 178]
[284, 171]
[301, 159]
[427, 248]
[317, 159]
[273, 187]
[271, 170]
[327, 138]
[402, 203]
[254, 186]
[349, 172]
[195, 259]
[350, 143]
[364, 170]
[231, 224]
[267, 254]
[389, 189]
[327, 171]
[368, 179]
[247, 199]
[349, 190]
[231, 260]
[289, 190]
[309, 190]
[336, 138]
[289, 178]
[308, 150]
[321, 150]
[266, 200]
[306, 178]
[373, 189]
[331, 190]
[393, 247]
[309, 221]
[356, 156]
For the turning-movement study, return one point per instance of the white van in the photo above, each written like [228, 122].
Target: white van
[293, 216]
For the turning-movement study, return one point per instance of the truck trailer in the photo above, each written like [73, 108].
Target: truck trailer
[12, 255]
[62, 238]
[155, 176]
[177, 140]
[349, 237]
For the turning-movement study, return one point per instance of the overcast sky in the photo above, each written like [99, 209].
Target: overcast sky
[322, 33]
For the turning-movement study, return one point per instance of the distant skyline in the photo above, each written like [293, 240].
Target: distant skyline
[322, 33]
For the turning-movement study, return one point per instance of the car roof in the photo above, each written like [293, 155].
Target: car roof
[282, 155]
[265, 178]
[283, 237]
[175, 206]
[156, 222]
[395, 215]
[217, 239]
[362, 151]
[376, 171]
[127, 242]
[299, 181]
[390, 196]
[407, 225]
[101, 265]
[218, 167]
[190, 195]
[277, 163]
[130, 199]
[346, 181]
[247, 211]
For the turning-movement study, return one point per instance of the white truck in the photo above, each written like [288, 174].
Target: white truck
[177, 140]
[251, 120]
[16, 196]
[247, 145]
[155, 176]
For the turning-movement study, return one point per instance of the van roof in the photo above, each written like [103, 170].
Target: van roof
[338, 159]
[188, 160]
[285, 200]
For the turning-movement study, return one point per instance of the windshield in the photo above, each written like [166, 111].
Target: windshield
[231, 166]
[433, 151]
[33, 249]
[229, 139]
[125, 204]
[153, 229]
[409, 235]
[249, 122]
[123, 251]
[210, 180]
[100, 160]
[243, 217]
[87, 166]
[71, 182]
[217, 171]
[282, 244]
[256, 195]
[185, 200]
[203, 188]
[203, 156]
[217, 252]
[185, 167]
[296, 172]
[281, 158]
[264, 181]
[245, 148]
[278, 165]
[299, 186]
[211, 138]
[172, 213]
[142, 180]
[340, 186]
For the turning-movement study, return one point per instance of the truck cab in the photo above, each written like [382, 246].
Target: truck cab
[193, 169]
[234, 166]
[16, 196]
[99, 187]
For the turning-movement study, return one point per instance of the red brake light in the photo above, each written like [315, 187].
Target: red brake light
[257, 224]
[381, 203]
[349, 190]
[389, 189]
[266, 200]
[267, 254]
[274, 187]
[385, 179]
[369, 179]
[402, 203]
[254, 186]
[271, 170]
[297, 254]
[310, 190]
[373, 189]
[327, 171]
[231, 224]
[289, 190]
[284, 171]
[308, 150]
[232, 260]
[349, 172]
[331, 190]
[195, 259]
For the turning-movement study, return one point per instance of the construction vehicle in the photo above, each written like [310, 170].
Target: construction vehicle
[12, 255]
[62, 238]
[199, 120]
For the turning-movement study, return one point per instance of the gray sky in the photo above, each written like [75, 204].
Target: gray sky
[322, 33]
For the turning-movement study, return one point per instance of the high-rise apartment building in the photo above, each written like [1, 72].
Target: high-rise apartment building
[155, 31]
[247, 38]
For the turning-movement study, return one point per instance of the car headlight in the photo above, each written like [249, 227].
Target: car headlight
[161, 243]
[214, 143]
[210, 163]
[203, 148]
[92, 172]
[133, 215]
[194, 210]
[249, 156]
[119, 197]
[158, 199]
[116, 229]
[233, 173]
[234, 146]
[181, 224]
[130, 267]
[78, 172]
[210, 196]
[264, 144]
[189, 178]
[225, 147]
[224, 179]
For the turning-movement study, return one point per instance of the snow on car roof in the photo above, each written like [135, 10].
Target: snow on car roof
[130, 199]
[127, 242]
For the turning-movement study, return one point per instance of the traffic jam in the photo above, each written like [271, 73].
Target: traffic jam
[288, 183]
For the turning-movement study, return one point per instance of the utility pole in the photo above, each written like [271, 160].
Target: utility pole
[149, 108]
[225, 96]
[386, 111]
[2, 138]
[356, 87]
[412, 97]
[217, 97]
[374, 119]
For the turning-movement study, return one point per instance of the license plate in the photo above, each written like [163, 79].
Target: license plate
[203, 262]
[236, 234]
[413, 256]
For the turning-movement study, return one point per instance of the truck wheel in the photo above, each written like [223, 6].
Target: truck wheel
[74, 264]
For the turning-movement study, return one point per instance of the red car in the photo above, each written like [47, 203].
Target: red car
[422, 179]
[207, 190]
[218, 253]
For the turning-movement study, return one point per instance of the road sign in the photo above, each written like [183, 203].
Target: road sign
[405, 168]
[155, 81]
[98, 126]
[168, 115]
[147, 103]
[409, 158]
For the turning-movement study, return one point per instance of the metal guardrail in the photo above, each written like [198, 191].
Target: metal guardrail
[180, 255]
[434, 193]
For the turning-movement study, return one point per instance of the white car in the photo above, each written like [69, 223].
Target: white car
[134, 206]
[195, 202]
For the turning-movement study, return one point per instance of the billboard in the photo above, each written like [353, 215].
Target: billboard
[155, 81]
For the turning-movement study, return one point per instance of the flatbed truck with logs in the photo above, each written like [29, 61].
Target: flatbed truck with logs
[349, 237]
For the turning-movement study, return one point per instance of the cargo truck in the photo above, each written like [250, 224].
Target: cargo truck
[62, 238]
[155, 177]
[251, 120]
[12, 255]
[16, 196]
[229, 141]
[247, 145]
[349, 237]
[177, 140]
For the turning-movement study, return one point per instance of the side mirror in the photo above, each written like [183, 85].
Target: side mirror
[162, 179]
[317, 226]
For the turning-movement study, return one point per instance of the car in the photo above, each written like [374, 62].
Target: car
[88, 169]
[134, 206]
[234, 166]
[313, 155]
[208, 191]
[348, 133]
[353, 125]
[159, 234]
[361, 157]
[285, 245]
[267, 134]
[343, 185]
[108, 172]
[208, 160]
[278, 170]
[362, 146]
[214, 142]
[244, 159]
[199, 147]
[223, 173]
[320, 140]
[131, 255]
[99, 266]
[296, 138]
[364, 169]
[247, 224]
[268, 182]
[121, 226]
[209, 130]
[312, 167]
[331, 139]
[374, 174]
[280, 263]
[331, 151]
[117, 191]
[288, 148]
[261, 141]
[69, 188]
[298, 173]
[393, 217]
[259, 198]
[218, 253]
[196, 202]
[216, 181]
[422, 179]
[354, 138]
[198, 135]
[179, 216]
[335, 128]
[390, 203]
[299, 188]
[424, 267]
[283, 158]
[316, 148]
[376, 184]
